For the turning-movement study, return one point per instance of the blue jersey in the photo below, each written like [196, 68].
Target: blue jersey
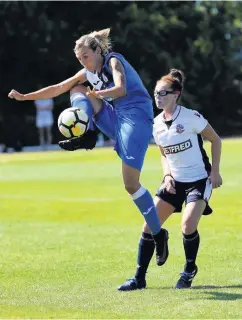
[136, 98]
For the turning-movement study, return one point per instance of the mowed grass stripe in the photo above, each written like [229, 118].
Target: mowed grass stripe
[64, 259]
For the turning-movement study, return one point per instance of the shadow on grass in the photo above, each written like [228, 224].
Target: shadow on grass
[239, 286]
[213, 295]
[222, 295]
[204, 287]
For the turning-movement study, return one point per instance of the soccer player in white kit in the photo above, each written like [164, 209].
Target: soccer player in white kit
[188, 176]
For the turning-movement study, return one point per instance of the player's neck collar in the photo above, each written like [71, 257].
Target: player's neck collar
[174, 115]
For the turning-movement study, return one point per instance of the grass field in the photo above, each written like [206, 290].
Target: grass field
[69, 235]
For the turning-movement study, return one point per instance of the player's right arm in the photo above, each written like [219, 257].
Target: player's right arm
[51, 91]
[168, 181]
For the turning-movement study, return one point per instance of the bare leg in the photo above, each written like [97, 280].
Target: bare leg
[191, 216]
[41, 137]
[49, 134]
[131, 178]
[164, 211]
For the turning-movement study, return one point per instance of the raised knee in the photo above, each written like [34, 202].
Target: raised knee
[78, 88]
[74, 90]
[131, 188]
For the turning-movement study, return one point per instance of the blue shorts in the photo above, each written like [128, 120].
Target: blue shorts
[131, 130]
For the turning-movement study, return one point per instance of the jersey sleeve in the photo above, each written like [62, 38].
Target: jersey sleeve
[198, 121]
[155, 135]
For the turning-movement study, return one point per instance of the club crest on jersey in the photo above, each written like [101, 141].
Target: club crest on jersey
[179, 128]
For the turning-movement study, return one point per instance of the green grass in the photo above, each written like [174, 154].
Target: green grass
[69, 235]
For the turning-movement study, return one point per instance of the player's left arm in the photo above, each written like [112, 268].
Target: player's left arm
[216, 146]
[119, 78]
[168, 181]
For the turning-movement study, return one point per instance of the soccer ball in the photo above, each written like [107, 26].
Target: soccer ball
[73, 122]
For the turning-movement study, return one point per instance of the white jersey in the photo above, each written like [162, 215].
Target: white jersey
[98, 82]
[182, 144]
[95, 80]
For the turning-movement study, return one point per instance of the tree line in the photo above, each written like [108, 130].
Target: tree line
[203, 39]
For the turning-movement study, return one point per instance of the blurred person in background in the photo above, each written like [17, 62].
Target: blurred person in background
[13, 122]
[188, 176]
[44, 120]
[121, 108]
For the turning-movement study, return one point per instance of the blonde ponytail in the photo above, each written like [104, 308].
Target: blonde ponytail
[96, 38]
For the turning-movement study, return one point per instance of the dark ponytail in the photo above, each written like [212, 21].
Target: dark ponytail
[178, 74]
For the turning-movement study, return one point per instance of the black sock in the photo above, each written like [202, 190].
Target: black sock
[145, 253]
[191, 245]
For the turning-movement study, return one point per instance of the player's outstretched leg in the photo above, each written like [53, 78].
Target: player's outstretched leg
[141, 196]
[145, 252]
[79, 100]
[87, 141]
[133, 284]
[143, 200]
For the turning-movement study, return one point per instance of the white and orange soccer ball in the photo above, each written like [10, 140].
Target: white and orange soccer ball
[73, 122]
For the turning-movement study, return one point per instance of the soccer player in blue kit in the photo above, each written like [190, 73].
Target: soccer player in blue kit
[188, 176]
[128, 120]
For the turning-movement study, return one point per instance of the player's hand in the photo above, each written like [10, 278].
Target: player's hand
[93, 93]
[169, 184]
[13, 94]
[215, 179]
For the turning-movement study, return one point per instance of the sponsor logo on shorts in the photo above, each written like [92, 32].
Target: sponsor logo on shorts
[130, 158]
[178, 147]
[195, 193]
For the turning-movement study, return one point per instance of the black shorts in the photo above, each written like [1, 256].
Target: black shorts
[187, 192]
